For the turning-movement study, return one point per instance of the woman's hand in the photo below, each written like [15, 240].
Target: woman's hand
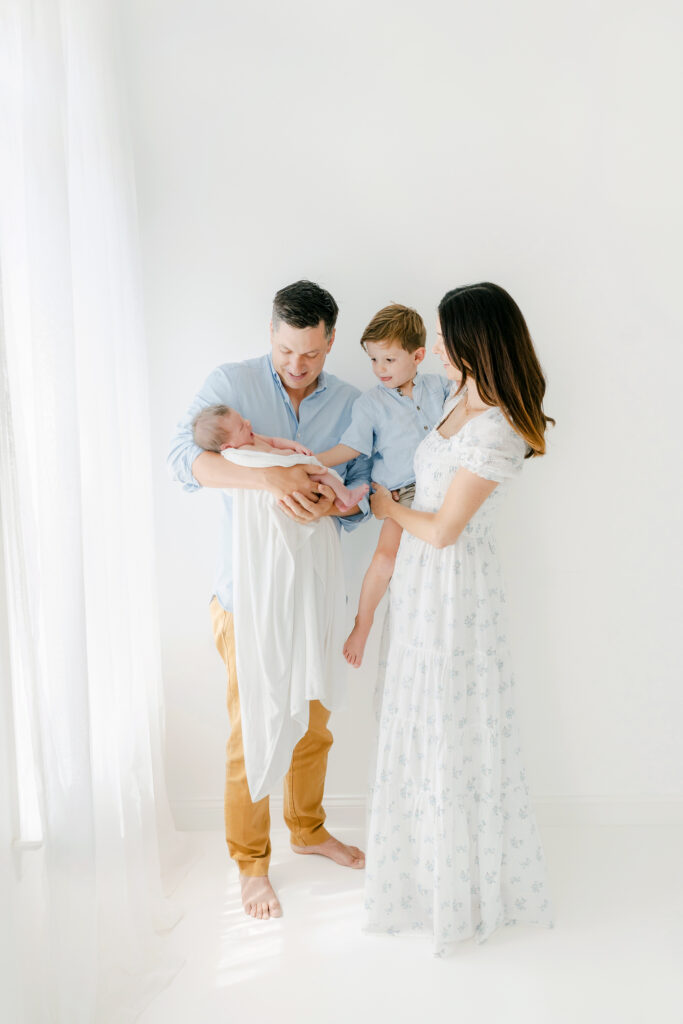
[381, 502]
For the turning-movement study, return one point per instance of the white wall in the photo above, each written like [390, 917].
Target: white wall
[390, 151]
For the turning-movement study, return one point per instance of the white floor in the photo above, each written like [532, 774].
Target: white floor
[615, 954]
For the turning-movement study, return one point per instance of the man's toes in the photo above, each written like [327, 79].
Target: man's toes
[275, 908]
[265, 914]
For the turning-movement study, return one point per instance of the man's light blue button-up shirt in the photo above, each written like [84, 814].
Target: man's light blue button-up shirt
[254, 389]
[388, 426]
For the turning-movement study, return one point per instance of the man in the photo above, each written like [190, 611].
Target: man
[284, 394]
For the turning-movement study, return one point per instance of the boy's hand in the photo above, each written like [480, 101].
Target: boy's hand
[304, 510]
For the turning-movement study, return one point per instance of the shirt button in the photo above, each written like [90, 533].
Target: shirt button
[418, 408]
[426, 428]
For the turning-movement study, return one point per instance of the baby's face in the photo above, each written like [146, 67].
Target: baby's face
[237, 430]
[392, 364]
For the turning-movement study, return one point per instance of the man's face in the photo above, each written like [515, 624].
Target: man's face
[299, 354]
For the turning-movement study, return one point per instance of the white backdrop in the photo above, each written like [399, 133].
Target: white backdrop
[391, 151]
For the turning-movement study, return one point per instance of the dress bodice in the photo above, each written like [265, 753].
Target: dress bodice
[486, 445]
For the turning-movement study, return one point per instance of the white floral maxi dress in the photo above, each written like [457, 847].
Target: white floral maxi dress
[453, 847]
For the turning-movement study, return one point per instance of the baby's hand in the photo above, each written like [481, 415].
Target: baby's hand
[300, 449]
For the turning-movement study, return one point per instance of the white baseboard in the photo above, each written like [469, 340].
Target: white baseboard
[349, 811]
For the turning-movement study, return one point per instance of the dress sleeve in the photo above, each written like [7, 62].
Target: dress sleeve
[492, 448]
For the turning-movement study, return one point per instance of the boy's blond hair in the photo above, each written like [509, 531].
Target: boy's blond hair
[397, 323]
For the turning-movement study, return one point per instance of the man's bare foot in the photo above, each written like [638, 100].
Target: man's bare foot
[340, 853]
[258, 897]
[354, 647]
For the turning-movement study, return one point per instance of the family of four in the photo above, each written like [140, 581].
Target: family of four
[454, 849]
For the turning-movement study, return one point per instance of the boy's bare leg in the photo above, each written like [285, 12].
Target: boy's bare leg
[374, 587]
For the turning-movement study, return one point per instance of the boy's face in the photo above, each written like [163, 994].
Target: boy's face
[392, 364]
[238, 430]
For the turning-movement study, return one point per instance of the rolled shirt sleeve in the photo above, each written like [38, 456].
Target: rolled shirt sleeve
[216, 390]
[358, 471]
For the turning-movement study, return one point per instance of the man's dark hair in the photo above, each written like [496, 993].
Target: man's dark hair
[305, 304]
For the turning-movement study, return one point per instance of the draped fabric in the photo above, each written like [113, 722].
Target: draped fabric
[84, 797]
[290, 610]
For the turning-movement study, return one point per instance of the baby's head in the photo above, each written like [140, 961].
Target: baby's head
[218, 426]
[395, 340]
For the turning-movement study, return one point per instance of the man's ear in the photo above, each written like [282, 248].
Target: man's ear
[271, 330]
[419, 354]
[331, 338]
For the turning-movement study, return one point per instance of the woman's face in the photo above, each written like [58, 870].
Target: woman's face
[452, 372]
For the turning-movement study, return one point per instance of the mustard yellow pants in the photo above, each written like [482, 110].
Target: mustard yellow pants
[247, 824]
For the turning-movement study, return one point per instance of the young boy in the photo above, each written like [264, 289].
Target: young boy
[218, 427]
[388, 423]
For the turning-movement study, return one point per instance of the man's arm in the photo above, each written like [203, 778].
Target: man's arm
[211, 470]
[194, 468]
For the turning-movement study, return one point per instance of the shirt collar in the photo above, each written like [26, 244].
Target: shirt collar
[417, 382]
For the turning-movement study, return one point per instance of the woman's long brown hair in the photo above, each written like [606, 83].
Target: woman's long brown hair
[486, 337]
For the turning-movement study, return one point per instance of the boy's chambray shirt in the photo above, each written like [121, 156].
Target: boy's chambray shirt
[254, 389]
[388, 426]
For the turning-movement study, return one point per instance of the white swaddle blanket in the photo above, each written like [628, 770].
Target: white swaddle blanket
[289, 617]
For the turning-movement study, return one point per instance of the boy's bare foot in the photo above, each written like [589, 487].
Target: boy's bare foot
[258, 897]
[354, 648]
[340, 853]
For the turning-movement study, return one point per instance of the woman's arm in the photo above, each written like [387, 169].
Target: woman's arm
[335, 456]
[466, 494]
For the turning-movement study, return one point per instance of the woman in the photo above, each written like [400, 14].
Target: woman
[453, 844]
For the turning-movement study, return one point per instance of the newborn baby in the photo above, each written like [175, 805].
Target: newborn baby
[218, 427]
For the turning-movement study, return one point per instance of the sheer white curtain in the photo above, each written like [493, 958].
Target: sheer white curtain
[84, 794]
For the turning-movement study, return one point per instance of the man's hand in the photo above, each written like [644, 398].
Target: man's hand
[283, 482]
[306, 510]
